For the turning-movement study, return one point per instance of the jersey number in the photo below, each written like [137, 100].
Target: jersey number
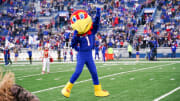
[88, 40]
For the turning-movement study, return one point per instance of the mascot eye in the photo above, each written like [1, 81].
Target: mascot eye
[74, 19]
[81, 16]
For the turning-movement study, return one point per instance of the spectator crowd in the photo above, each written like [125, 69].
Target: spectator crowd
[119, 22]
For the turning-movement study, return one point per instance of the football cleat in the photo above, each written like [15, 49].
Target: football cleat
[43, 72]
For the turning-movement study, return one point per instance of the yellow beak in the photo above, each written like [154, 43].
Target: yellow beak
[83, 25]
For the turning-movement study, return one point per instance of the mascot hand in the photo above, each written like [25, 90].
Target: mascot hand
[98, 12]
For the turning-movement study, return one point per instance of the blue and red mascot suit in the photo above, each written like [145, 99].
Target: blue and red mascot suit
[83, 41]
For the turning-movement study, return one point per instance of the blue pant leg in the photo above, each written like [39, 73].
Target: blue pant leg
[64, 58]
[92, 69]
[71, 57]
[173, 54]
[104, 57]
[6, 59]
[79, 68]
[95, 56]
[98, 55]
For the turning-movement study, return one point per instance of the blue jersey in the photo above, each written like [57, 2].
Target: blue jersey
[110, 44]
[66, 35]
[87, 42]
[45, 32]
[29, 53]
[96, 43]
[155, 43]
[173, 48]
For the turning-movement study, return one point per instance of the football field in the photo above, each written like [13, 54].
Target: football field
[125, 81]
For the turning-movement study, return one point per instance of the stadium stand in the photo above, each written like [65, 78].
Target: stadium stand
[32, 23]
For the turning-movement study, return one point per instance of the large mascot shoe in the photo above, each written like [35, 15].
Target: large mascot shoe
[99, 92]
[66, 91]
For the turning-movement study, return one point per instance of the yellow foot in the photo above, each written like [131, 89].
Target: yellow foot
[65, 92]
[101, 93]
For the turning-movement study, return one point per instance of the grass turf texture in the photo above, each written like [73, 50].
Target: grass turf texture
[136, 81]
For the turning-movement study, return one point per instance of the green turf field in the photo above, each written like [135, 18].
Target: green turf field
[126, 81]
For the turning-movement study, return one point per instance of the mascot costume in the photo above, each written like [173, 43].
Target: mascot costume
[9, 91]
[83, 41]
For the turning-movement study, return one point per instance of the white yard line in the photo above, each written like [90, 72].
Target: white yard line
[130, 62]
[41, 74]
[22, 69]
[106, 63]
[53, 72]
[50, 73]
[167, 94]
[97, 66]
[23, 63]
[37, 63]
[103, 77]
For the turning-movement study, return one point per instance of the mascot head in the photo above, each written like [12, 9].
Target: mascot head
[81, 21]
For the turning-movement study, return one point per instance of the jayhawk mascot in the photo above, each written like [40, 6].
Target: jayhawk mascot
[83, 41]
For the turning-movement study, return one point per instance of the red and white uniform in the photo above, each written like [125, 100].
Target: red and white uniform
[46, 57]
